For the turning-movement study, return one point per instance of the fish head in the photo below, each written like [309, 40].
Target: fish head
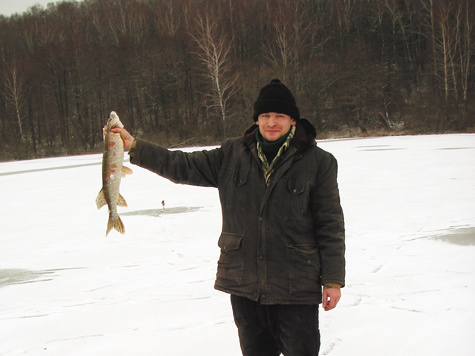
[114, 121]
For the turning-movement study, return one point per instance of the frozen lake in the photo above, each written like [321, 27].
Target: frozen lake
[67, 289]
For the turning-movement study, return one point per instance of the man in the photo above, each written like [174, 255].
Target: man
[282, 224]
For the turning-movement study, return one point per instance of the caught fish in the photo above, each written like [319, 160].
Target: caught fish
[112, 172]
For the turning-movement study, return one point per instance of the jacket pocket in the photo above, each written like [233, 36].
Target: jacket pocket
[304, 269]
[296, 199]
[231, 260]
[236, 189]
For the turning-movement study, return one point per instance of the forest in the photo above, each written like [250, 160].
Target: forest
[186, 72]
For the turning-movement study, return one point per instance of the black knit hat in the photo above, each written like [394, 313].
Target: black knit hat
[276, 97]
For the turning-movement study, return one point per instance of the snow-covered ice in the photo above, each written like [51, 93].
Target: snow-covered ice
[67, 289]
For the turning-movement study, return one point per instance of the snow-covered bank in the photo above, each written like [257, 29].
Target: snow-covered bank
[66, 289]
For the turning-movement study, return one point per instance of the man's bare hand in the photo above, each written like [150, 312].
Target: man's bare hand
[126, 137]
[331, 297]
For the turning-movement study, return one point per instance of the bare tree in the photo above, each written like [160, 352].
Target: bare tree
[446, 46]
[213, 51]
[452, 42]
[466, 43]
[168, 16]
[294, 37]
[345, 10]
[15, 94]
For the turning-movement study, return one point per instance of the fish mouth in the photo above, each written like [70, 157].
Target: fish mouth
[114, 121]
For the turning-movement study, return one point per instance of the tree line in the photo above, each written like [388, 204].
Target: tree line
[186, 72]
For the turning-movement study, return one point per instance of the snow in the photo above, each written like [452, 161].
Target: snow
[67, 289]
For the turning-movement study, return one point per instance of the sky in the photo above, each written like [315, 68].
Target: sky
[67, 289]
[10, 7]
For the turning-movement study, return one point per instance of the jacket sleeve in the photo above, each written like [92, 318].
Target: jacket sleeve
[194, 168]
[329, 222]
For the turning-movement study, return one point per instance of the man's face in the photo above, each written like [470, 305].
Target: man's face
[273, 126]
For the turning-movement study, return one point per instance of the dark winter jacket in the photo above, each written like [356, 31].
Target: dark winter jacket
[281, 242]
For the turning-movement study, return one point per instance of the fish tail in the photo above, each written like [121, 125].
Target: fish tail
[115, 223]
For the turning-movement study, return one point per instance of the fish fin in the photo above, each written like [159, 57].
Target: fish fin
[101, 199]
[126, 171]
[115, 224]
[121, 201]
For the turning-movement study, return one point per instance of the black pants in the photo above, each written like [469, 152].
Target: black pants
[271, 330]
